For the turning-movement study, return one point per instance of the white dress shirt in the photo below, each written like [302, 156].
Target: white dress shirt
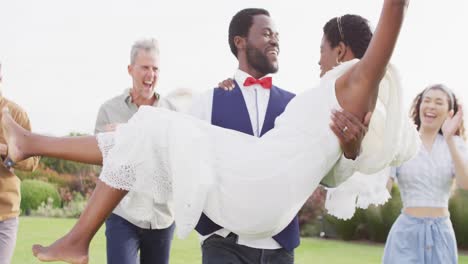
[255, 96]
[256, 99]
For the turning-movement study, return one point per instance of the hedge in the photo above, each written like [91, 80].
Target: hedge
[35, 192]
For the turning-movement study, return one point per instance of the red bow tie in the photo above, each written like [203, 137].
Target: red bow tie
[264, 82]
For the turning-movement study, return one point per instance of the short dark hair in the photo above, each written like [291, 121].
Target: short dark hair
[241, 23]
[355, 33]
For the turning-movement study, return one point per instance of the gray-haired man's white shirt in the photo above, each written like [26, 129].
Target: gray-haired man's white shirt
[119, 110]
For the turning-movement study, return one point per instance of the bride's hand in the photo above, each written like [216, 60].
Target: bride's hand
[452, 123]
[350, 131]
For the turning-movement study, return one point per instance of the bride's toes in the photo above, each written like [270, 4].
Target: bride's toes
[62, 250]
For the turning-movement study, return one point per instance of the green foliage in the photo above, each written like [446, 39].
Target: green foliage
[83, 181]
[311, 213]
[347, 229]
[73, 180]
[379, 219]
[459, 216]
[311, 229]
[69, 167]
[72, 209]
[35, 192]
[373, 223]
[43, 174]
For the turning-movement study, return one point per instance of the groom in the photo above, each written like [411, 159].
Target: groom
[252, 107]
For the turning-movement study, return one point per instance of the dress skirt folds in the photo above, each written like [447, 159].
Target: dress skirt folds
[251, 186]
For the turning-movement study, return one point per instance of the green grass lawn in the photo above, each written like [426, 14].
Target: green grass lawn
[46, 230]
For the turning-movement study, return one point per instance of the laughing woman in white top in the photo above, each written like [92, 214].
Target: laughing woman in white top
[423, 232]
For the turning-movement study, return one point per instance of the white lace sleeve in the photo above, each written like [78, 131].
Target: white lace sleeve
[120, 178]
[105, 143]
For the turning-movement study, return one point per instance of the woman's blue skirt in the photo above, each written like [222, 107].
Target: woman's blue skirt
[421, 240]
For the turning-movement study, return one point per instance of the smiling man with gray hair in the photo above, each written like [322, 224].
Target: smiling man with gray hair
[126, 234]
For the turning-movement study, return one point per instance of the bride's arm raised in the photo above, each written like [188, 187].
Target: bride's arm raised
[357, 90]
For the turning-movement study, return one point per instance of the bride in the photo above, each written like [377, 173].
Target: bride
[235, 179]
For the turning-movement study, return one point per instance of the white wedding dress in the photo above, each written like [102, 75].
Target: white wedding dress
[251, 186]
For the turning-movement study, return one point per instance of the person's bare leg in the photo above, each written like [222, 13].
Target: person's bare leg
[73, 247]
[23, 144]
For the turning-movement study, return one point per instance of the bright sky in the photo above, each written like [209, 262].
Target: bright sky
[63, 59]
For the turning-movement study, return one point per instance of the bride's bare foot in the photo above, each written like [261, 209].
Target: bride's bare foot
[14, 136]
[64, 249]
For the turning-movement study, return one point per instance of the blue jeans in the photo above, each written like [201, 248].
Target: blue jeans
[220, 250]
[125, 239]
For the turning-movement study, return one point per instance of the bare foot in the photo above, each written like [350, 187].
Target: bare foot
[13, 134]
[64, 249]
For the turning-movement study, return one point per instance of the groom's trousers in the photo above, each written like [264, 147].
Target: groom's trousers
[219, 250]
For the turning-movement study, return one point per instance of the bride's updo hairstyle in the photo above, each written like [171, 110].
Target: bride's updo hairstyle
[352, 30]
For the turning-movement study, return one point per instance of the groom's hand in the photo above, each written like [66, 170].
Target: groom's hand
[110, 127]
[227, 84]
[350, 131]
